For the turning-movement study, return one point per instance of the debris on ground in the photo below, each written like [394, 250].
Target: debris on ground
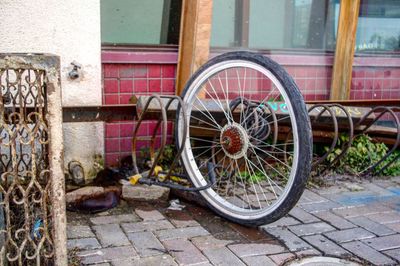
[93, 199]
[175, 205]
[144, 193]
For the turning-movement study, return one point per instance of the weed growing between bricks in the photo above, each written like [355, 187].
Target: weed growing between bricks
[363, 153]
[73, 258]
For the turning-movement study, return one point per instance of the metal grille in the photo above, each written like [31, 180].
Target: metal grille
[26, 212]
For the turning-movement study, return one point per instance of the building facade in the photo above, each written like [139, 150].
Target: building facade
[134, 47]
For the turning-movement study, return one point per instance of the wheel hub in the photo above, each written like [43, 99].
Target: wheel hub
[234, 141]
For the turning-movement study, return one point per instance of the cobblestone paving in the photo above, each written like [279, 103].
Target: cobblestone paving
[363, 225]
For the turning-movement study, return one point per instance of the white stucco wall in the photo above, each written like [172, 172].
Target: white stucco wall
[71, 30]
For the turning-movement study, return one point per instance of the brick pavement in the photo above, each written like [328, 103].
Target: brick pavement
[363, 225]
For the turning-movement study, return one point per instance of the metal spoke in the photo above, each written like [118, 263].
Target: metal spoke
[268, 177]
[265, 162]
[201, 120]
[252, 182]
[269, 154]
[241, 178]
[226, 98]
[209, 117]
[219, 102]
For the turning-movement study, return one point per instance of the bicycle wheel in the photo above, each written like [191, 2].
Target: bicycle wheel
[238, 107]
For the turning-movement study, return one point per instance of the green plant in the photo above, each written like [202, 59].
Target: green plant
[166, 159]
[394, 168]
[252, 178]
[168, 156]
[363, 153]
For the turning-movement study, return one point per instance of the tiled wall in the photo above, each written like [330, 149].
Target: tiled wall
[313, 81]
[375, 83]
[120, 82]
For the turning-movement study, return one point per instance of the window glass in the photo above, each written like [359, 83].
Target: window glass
[223, 23]
[140, 22]
[271, 24]
[378, 26]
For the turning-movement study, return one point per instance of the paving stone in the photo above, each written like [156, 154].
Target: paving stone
[127, 262]
[285, 221]
[384, 242]
[394, 226]
[246, 250]
[307, 253]
[184, 223]
[282, 258]
[385, 218]
[145, 193]
[258, 261]
[165, 260]
[349, 235]
[353, 187]
[367, 253]
[349, 212]
[374, 227]
[394, 253]
[186, 232]
[311, 229]
[326, 246]
[209, 242]
[83, 243]
[320, 206]
[334, 220]
[152, 215]
[79, 231]
[146, 226]
[383, 183]
[396, 179]
[181, 219]
[309, 196]
[146, 244]
[107, 255]
[302, 215]
[184, 251]
[222, 256]
[115, 219]
[292, 242]
[251, 234]
[101, 264]
[110, 235]
[377, 189]
[333, 190]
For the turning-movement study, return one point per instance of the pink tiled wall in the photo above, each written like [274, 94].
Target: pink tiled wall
[314, 82]
[375, 83]
[120, 82]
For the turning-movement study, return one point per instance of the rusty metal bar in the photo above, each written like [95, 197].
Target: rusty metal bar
[31, 146]
[127, 112]
[106, 113]
[360, 103]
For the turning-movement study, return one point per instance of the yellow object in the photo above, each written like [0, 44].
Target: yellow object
[157, 169]
[179, 180]
[134, 179]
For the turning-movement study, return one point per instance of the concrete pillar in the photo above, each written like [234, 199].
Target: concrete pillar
[71, 30]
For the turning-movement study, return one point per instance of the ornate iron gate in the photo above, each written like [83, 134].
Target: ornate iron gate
[32, 204]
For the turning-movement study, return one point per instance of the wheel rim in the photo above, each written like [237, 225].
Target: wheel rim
[212, 96]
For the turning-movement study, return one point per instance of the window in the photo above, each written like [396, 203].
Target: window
[151, 22]
[271, 24]
[378, 27]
